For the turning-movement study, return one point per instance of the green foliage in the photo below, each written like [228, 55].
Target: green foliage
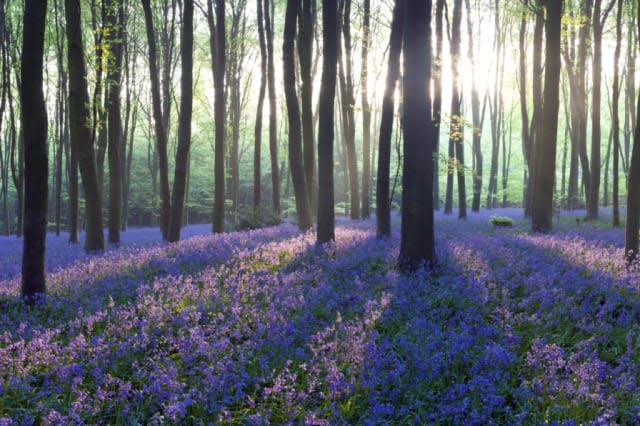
[249, 218]
[501, 221]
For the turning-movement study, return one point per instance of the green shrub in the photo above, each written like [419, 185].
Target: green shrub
[248, 218]
[501, 221]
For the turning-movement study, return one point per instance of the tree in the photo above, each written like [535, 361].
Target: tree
[305, 54]
[34, 125]
[273, 109]
[437, 100]
[115, 20]
[366, 109]
[293, 110]
[184, 124]
[257, 151]
[545, 155]
[383, 203]
[417, 245]
[633, 193]
[160, 128]
[456, 130]
[217, 44]
[615, 116]
[81, 140]
[326, 211]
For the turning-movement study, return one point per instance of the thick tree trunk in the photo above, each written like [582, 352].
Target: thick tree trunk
[184, 124]
[383, 204]
[326, 205]
[545, 146]
[115, 19]
[80, 133]
[34, 123]
[633, 196]
[293, 110]
[417, 246]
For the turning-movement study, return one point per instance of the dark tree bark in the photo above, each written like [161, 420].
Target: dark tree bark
[305, 54]
[437, 100]
[633, 196]
[115, 20]
[615, 116]
[630, 84]
[81, 140]
[273, 110]
[34, 125]
[545, 156]
[366, 110]
[383, 203]
[160, 129]
[417, 246]
[293, 110]
[257, 151]
[522, 89]
[456, 130]
[326, 209]
[184, 124]
[218, 57]
[345, 75]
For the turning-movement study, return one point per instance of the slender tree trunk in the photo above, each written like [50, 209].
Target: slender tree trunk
[257, 152]
[184, 124]
[594, 198]
[383, 205]
[160, 129]
[80, 133]
[545, 157]
[115, 21]
[293, 109]
[305, 54]
[34, 123]
[615, 116]
[476, 117]
[326, 204]
[366, 110]
[417, 246]
[457, 120]
[273, 110]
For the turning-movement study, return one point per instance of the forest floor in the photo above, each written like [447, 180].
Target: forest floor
[265, 327]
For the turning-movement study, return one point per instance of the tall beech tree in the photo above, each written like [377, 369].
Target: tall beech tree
[545, 154]
[296, 165]
[383, 202]
[273, 108]
[326, 206]
[257, 135]
[184, 124]
[81, 141]
[366, 109]
[34, 125]
[615, 115]
[305, 55]
[632, 228]
[115, 21]
[159, 123]
[456, 129]
[417, 244]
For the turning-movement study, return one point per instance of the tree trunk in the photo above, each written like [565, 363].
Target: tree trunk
[293, 109]
[218, 48]
[615, 116]
[383, 205]
[115, 21]
[456, 132]
[326, 209]
[545, 156]
[417, 246]
[34, 123]
[184, 124]
[257, 151]
[477, 117]
[160, 129]
[633, 196]
[366, 110]
[80, 133]
[305, 54]
[273, 110]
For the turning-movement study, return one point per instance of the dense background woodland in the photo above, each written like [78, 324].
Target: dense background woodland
[485, 155]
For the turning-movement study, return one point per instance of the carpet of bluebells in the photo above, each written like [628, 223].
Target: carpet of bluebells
[265, 327]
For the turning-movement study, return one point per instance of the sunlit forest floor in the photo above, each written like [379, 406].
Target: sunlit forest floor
[264, 327]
